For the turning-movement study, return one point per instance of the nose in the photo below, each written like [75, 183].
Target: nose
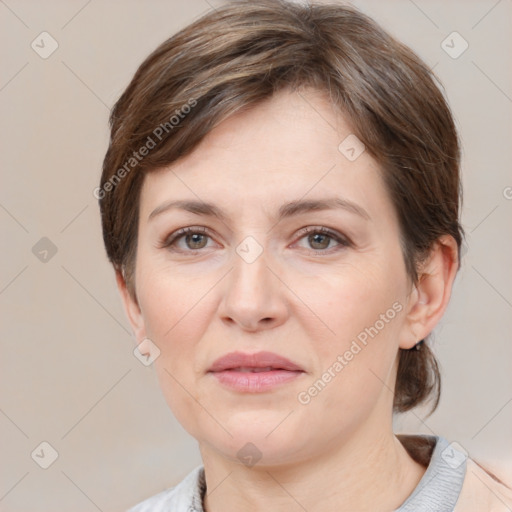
[254, 298]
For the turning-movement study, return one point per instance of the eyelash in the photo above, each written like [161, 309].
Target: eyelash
[171, 240]
[342, 241]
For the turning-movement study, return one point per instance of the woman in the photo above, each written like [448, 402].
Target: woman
[280, 201]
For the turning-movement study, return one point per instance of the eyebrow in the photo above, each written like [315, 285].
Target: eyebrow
[287, 210]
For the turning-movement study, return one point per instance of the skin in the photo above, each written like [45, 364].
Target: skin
[305, 297]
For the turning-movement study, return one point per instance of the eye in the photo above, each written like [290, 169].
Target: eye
[187, 239]
[193, 239]
[322, 239]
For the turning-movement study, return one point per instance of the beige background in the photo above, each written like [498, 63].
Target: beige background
[68, 373]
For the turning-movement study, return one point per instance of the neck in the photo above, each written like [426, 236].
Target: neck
[357, 475]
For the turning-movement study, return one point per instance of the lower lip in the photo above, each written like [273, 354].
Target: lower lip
[255, 382]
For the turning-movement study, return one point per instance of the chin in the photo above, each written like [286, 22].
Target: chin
[253, 451]
[271, 441]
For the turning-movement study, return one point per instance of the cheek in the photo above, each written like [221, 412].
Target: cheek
[177, 310]
[343, 304]
[167, 296]
[354, 336]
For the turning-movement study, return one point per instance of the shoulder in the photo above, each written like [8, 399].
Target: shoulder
[181, 498]
[483, 491]
[453, 481]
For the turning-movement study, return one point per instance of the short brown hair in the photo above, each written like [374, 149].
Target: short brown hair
[239, 55]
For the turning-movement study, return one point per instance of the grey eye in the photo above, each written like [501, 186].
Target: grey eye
[196, 241]
[319, 240]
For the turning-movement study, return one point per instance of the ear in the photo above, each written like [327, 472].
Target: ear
[131, 308]
[431, 294]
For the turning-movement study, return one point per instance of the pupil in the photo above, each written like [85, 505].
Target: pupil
[317, 239]
[195, 241]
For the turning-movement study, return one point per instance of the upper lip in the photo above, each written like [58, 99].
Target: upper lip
[256, 360]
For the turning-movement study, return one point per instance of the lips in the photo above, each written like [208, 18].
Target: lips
[258, 362]
[254, 373]
[252, 369]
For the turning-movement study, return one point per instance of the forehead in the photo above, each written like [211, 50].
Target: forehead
[291, 146]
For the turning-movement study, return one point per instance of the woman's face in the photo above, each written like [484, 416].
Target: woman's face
[322, 286]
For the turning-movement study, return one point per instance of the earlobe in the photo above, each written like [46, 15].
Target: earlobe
[131, 308]
[431, 294]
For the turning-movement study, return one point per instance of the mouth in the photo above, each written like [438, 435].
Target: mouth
[247, 369]
[254, 373]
